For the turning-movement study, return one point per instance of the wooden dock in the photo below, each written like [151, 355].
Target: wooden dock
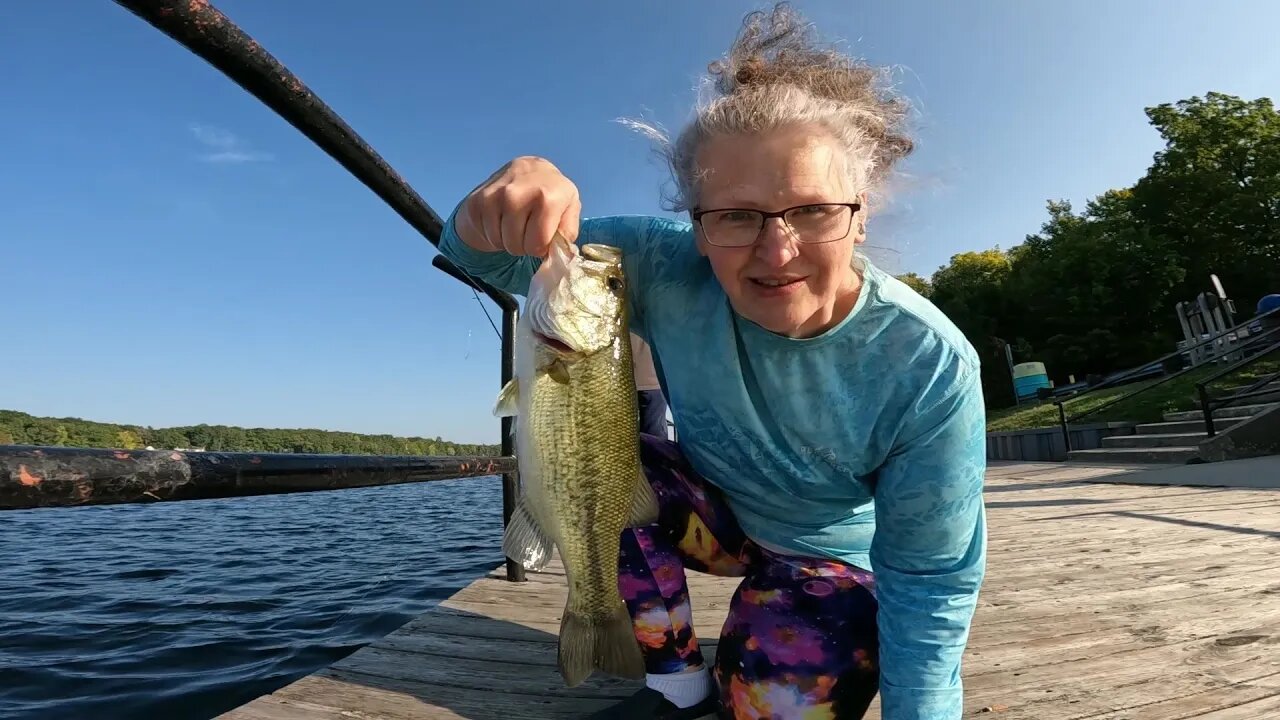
[1103, 600]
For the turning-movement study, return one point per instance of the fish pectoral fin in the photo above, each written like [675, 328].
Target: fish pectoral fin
[644, 503]
[524, 541]
[508, 399]
[558, 370]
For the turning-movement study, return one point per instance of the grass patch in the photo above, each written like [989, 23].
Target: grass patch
[1150, 406]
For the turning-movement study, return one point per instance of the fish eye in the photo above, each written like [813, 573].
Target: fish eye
[615, 283]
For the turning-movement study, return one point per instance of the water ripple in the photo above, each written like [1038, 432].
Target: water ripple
[186, 610]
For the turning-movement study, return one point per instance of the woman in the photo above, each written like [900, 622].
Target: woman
[831, 421]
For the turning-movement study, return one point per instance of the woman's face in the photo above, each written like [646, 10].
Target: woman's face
[785, 286]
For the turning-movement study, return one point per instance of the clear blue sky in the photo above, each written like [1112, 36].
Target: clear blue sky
[174, 253]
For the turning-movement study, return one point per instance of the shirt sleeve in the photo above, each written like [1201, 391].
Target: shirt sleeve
[929, 548]
[633, 234]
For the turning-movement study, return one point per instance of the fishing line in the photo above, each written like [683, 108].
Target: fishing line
[492, 324]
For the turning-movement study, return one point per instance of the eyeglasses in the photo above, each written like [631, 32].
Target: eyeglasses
[740, 227]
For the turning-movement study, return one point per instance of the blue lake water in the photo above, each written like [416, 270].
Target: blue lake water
[187, 609]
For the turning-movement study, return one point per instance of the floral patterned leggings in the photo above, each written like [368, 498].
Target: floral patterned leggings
[800, 640]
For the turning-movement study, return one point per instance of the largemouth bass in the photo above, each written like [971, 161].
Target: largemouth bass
[577, 444]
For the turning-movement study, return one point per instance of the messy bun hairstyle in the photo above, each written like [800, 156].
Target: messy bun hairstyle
[775, 75]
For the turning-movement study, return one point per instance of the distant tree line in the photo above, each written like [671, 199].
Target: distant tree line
[17, 428]
[1094, 291]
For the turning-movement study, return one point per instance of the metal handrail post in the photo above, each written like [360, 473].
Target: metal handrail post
[510, 480]
[510, 315]
[1206, 409]
[1062, 419]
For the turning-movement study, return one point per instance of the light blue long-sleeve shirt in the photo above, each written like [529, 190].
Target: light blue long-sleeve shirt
[865, 444]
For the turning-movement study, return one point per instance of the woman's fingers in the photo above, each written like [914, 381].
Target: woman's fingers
[520, 208]
[491, 227]
[515, 217]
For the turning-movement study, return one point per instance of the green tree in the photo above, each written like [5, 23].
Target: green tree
[128, 439]
[21, 428]
[971, 292]
[1213, 193]
[917, 283]
[166, 439]
[1091, 292]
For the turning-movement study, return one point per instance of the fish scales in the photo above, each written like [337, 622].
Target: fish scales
[585, 433]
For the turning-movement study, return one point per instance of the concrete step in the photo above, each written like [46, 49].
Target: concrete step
[1188, 440]
[1185, 426]
[1272, 395]
[1234, 411]
[1124, 456]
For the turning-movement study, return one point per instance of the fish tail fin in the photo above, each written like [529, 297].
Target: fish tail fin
[525, 541]
[586, 645]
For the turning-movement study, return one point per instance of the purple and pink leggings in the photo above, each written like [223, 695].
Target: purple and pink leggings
[801, 637]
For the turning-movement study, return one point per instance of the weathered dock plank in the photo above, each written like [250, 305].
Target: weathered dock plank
[1104, 600]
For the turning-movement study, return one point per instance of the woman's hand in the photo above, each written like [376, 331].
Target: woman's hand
[520, 208]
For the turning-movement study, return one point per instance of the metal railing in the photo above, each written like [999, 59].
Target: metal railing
[1241, 347]
[48, 476]
[1254, 390]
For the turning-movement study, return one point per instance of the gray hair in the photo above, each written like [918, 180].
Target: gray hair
[774, 76]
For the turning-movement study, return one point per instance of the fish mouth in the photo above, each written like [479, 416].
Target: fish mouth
[555, 344]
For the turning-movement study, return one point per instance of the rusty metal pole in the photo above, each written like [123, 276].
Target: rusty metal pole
[212, 36]
[45, 477]
[205, 31]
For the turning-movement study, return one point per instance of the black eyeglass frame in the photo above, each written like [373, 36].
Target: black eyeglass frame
[696, 214]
